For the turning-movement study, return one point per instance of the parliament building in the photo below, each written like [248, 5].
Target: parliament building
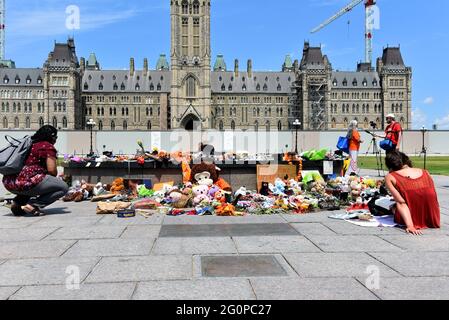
[187, 90]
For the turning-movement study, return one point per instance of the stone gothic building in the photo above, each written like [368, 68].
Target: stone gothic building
[189, 93]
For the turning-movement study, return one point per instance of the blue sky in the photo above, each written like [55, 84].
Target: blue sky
[262, 30]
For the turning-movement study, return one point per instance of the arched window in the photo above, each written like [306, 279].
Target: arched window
[41, 122]
[151, 87]
[122, 87]
[5, 123]
[221, 126]
[334, 123]
[267, 125]
[279, 87]
[265, 87]
[256, 126]
[223, 87]
[279, 126]
[100, 125]
[191, 87]
[185, 7]
[232, 125]
[55, 122]
[27, 123]
[149, 125]
[100, 87]
[86, 86]
[64, 107]
[196, 7]
[64, 123]
[125, 125]
[112, 125]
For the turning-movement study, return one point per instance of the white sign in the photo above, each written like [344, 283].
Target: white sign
[328, 167]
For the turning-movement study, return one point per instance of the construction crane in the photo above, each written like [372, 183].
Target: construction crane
[369, 12]
[2, 29]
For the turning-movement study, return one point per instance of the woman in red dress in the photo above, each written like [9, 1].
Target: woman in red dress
[36, 186]
[414, 191]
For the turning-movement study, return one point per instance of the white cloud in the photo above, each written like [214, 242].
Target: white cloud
[443, 123]
[428, 100]
[419, 118]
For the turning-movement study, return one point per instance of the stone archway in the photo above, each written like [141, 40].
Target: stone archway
[191, 123]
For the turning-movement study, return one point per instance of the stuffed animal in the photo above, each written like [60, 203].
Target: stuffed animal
[201, 194]
[220, 196]
[143, 192]
[212, 191]
[279, 187]
[242, 192]
[118, 186]
[178, 200]
[204, 173]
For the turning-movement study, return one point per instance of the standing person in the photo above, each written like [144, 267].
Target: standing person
[414, 192]
[393, 131]
[354, 147]
[36, 186]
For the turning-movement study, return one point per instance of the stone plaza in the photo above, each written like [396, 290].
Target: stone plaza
[72, 253]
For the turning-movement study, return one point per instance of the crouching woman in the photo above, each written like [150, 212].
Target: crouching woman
[37, 186]
[415, 194]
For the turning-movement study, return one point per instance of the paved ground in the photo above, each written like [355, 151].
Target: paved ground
[270, 257]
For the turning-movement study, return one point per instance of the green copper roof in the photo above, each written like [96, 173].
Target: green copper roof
[288, 62]
[7, 64]
[220, 64]
[162, 63]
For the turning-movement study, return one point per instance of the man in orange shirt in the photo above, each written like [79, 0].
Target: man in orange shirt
[354, 147]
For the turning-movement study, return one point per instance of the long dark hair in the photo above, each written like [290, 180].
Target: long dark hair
[396, 161]
[46, 133]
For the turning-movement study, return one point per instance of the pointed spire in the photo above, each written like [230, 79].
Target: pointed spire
[220, 64]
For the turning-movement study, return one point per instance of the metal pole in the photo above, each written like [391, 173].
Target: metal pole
[296, 148]
[91, 141]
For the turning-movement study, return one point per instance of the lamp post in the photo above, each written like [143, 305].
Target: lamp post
[296, 124]
[424, 149]
[91, 124]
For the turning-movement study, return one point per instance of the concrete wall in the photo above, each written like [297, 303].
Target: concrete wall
[125, 142]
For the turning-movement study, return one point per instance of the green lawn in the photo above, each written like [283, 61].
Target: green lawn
[436, 165]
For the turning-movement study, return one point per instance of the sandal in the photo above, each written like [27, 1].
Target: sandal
[35, 211]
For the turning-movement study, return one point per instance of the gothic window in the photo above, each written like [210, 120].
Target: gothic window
[279, 126]
[230, 87]
[122, 87]
[223, 87]
[102, 110]
[55, 122]
[221, 126]
[279, 87]
[267, 125]
[258, 87]
[159, 87]
[86, 86]
[265, 87]
[137, 87]
[400, 108]
[256, 126]
[100, 87]
[232, 125]
[149, 125]
[334, 123]
[191, 87]
[185, 7]
[5, 123]
[100, 125]
[196, 7]
[41, 122]
[112, 125]
[115, 86]
[244, 87]
[64, 108]
[365, 82]
[64, 122]
[151, 87]
[125, 125]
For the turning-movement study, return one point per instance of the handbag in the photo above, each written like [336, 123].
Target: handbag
[343, 144]
[386, 145]
[14, 156]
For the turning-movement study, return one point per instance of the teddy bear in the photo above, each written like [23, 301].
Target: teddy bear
[208, 174]
[178, 200]
[201, 194]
